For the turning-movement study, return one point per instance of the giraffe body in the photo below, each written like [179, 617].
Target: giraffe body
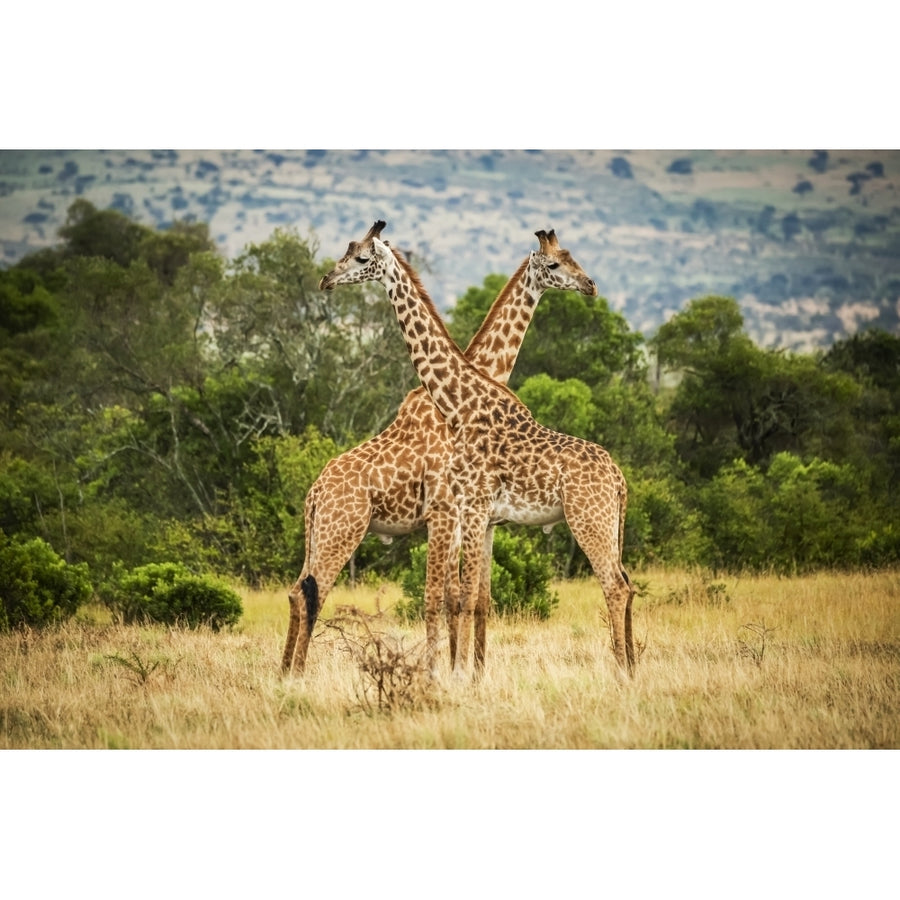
[397, 481]
[504, 466]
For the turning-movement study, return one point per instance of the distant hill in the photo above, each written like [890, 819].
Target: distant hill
[807, 241]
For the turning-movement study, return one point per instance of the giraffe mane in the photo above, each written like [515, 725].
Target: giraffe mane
[420, 288]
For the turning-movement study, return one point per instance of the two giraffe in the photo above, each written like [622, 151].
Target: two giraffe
[396, 482]
[504, 466]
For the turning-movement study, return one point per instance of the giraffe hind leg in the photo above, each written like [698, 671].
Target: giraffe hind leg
[293, 635]
[617, 588]
[304, 599]
[629, 636]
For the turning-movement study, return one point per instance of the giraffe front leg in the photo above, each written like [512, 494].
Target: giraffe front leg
[436, 563]
[468, 596]
[483, 606]
[441, 580]
[451, 607]
[473, 548]
[452, 593]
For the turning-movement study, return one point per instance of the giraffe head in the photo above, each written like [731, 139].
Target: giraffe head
[553, 267]
[363, 261]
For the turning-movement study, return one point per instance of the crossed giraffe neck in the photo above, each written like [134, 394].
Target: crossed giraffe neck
[443, 369]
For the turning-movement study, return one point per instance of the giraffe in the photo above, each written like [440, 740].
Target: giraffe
[395, 482]
[505, 466]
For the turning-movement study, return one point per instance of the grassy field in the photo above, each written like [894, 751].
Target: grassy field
[808, 662]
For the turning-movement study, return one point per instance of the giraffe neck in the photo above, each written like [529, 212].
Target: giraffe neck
[441, 366]
[496, 344]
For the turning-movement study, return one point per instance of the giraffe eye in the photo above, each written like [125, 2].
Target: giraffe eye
[552, 265]
[362, 260]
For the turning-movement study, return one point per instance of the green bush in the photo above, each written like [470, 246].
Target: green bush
[171, 594]
[37, 586]
[792, 516]
[520, 579]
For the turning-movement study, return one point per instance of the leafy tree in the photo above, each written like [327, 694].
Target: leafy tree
[168, 252]
[257, 531]
[683, 166]
[129, 336]
[29, 327]
[628, 423]
[872, 356]
[336, 360]
[565, 406]
[662, 524]
[106, 233]
[791, 516]
[819, 161]
[791, 226]
[734, 399]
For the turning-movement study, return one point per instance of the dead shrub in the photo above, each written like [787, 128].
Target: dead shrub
[392, 676]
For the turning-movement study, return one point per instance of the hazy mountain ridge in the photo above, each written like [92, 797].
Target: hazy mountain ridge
[807, 241]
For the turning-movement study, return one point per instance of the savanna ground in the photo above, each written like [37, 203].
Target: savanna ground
[755, 662]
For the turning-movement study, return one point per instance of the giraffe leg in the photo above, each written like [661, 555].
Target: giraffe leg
[468, 594]
[451, 595]
[601, 551]
[442, 544]
[618, 601]
[306, 599]
[473, 538]
[629, 638]
[296, 622]
[335, 526]
[483, 607]
[304, 603]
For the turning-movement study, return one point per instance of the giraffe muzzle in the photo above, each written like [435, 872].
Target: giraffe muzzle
[326, 282]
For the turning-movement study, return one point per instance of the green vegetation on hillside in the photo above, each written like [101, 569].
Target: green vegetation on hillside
[159, 403]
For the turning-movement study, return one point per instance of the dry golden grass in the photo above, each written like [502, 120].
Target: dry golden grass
[807, 662]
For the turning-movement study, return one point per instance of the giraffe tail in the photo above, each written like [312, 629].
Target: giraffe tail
[309, 585]
[310, 589]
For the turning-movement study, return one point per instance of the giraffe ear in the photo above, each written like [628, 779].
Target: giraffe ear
[382, 248]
